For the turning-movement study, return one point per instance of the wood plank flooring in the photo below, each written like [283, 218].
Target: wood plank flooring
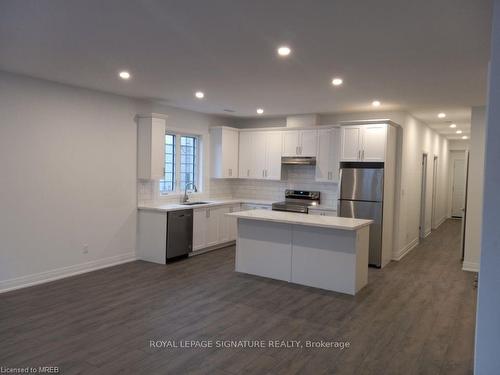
[415, 316]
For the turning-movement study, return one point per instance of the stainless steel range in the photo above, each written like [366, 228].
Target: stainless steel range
[298, 201]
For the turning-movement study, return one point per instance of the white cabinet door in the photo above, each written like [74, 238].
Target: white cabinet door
[308, 139]
[230, 141]
[327, 160]
[212, 217]
[150, 148]
[245, 155]
[224, 152]
[291, 143]
[273, 156]
[258, 155]
[351, 143]
[374, 140]
[199, 228]
[224, 229]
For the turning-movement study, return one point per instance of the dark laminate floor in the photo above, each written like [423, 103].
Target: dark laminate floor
[415, 317]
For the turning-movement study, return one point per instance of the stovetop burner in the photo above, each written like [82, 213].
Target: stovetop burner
[298, 201]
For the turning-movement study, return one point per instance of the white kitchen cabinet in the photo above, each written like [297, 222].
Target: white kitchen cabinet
[150, 147]
[212, 227]
[199, 229]
[245, 155]
[213, 224]
[224, 152]
[374, 142]
[273, 156]
[328, 157]
[260, 155]
[363, 142]
[299, 143]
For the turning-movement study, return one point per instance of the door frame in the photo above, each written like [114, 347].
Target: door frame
[435, 170]
[423, 196]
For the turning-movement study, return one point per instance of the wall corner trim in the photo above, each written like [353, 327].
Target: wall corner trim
[404, 251]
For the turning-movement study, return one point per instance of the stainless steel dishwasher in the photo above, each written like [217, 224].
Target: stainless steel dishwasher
[179, 234]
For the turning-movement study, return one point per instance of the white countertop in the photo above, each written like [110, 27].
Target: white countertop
[302, 219]
[211, 203]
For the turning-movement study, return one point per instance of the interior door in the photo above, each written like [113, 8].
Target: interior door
[458, 192]
[351, 136]
[374, 139]
[273, 156]
[308, 142]
[291, 143]
[245, 155]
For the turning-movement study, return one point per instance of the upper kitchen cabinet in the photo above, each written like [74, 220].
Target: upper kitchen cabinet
[299, 142]
[151, 147]
[328, 157]
[224, 152]
[363, 142]
[260, 155]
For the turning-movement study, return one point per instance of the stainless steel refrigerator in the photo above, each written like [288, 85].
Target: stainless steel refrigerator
[361, 196]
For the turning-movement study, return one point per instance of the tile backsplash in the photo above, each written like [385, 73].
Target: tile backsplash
[293, 177]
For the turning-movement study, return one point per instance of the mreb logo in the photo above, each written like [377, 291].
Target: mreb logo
[48, 370]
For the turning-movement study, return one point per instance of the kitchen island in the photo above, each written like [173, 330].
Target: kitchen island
[320, 251]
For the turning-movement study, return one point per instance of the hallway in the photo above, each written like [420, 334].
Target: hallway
[415, 316]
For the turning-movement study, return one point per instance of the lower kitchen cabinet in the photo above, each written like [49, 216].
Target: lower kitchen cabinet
[212, 227]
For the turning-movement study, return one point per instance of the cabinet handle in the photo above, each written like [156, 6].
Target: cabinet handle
[363, 155]
[230, 172]
[297, 150]
[300, 150]
[248, 172]
[359, 154]
[266, 172]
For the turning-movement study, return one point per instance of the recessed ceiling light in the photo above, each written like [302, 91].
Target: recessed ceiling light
[459, 132]
[284, 51]
[453, 125]
[124, 75]
[442, 115]
[337, 81]
[260, 111]
[199, 94]
[376, 103]
[465, 137]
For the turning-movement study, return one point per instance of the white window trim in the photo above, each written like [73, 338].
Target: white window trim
[179, 190]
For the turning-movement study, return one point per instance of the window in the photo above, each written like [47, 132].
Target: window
[181, 163]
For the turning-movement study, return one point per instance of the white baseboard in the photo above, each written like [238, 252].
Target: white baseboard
[426, 234]
[470, 266]
[401, 253]
[60, 273]
[440, 221]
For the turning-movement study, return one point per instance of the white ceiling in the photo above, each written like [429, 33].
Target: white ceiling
[421, 56]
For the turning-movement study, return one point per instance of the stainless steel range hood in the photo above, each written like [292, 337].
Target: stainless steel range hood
[298, 160]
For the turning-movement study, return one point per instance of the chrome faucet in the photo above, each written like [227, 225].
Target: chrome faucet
[185, 198]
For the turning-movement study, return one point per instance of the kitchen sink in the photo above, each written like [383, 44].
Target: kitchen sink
[194, 203]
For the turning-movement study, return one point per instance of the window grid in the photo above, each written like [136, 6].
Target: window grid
[181, 163]
[168, 183]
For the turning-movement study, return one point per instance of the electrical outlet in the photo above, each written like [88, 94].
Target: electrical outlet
[85, 249]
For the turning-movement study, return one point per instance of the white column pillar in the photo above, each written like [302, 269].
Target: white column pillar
[487, 358]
